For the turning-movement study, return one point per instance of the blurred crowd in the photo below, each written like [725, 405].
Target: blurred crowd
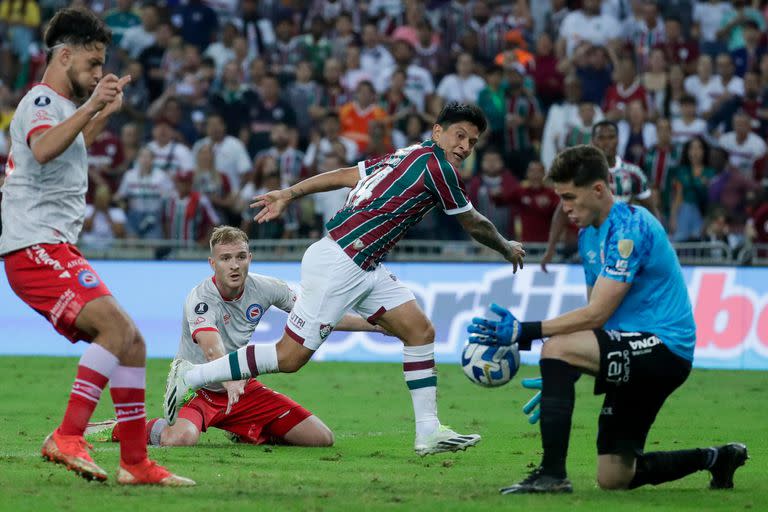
[231, 98]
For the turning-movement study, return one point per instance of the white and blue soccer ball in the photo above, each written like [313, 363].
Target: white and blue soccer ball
[490, 366]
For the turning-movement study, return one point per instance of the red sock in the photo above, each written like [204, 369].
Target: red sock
[150, 424]
[93, 371]
[127, 390]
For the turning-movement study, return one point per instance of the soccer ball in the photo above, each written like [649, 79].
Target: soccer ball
[490, 365]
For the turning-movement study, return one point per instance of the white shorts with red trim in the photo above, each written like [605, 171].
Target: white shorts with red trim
[331, 285]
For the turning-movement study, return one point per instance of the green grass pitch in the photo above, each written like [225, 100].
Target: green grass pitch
[372, 466]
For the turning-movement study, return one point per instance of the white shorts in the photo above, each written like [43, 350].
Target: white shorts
[331, 285]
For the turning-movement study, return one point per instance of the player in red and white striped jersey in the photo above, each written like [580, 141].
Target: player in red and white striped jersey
[343, 271]
[42, 213]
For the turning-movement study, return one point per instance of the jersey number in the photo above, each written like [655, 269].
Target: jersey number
[364, 189]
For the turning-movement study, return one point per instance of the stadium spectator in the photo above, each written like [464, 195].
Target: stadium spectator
[636, 133]
[289, 160]
[287, 50]
[222, 51]
[587, 24]
[492, 182]
[170, 156]
[141, 195]
[730, 188]
[704, 86]
[135, 97]
[229, 100]
[593, 66]
[353, 74]
[752, 103]
[523, 122]
[419, 83]
[428, 49]
[265, 179]
[105, 156]
[329, 10]
[627, 88]
[344, 35]
[545, 72]
[648, 32]
[732, 24]
[329, 141]
[230, 155]
[708, 17]
[464, 85]
[209, 181]
[656, 80]
[491, 100]
[534, 202]
[266, 109]
[303, 94]
[380, 140]
[332, 92]
[688, 125]
[659, 163]
[152, 61]
[196, 22]
[135, 39]
[317, 46]
[20, 20]
[188, 216]
[257, 30]
[373, 55]
[675, 90]
[102, 223]
[747, 58]
[689, 188]
[414, 133]
[120, 19]
[677, 49]
[719, 229]
[453, 21]
[580, 131]
[488, 29]
[745, 148]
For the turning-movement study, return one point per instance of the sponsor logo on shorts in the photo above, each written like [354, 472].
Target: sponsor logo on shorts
[253, 313]
[65, 275]
[618, 367]
[42, 101]
[40, 256]
[77, 262]
[325, 331]
[296, 320]
[61, 304]
[87, 279]
[649, 342]
[201, 308]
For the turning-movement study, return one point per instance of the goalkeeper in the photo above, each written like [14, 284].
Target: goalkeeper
[635, 336]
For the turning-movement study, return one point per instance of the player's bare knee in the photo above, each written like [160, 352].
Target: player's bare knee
[554, 348]
[179, 437]
[289, 363]
[612, 482]
[325, 437]
[422, 336]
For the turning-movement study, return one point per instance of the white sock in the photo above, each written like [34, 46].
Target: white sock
[419, 371]
[248, 361]
[157, 430]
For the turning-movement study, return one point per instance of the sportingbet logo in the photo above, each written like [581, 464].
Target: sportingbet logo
[644, 343]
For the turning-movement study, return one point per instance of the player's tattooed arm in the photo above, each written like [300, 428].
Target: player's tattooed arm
[483, 230]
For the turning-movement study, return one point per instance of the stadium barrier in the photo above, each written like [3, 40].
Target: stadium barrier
[730, 307]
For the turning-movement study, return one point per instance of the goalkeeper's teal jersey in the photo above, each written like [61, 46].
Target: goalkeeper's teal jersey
[631, 246]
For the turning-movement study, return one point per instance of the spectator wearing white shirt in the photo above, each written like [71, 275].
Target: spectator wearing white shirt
[141, 193]
[354, 73]
[223, 51]
[744, 147]
[463, 86]
[688, 125]
[418, 81]
[330, 142]
[102, 224]
[136, 39]
[707, 17]
[587, 24]
[373, 56]
[704, 86]
[170, 156]
[229, 153]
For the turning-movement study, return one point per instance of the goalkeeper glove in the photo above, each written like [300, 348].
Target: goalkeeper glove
[506, 331]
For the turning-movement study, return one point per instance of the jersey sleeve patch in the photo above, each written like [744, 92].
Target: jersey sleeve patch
[625, 249]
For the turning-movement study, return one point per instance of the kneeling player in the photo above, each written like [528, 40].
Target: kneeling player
[635, 337]
[220, 315]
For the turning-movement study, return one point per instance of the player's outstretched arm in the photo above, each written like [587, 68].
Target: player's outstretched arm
[213, 348]
[604, 298]
[272, 204]
[556, 229]
[483, 230]
[49, 144]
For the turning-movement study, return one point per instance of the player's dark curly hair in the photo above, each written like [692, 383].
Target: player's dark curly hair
[77, 27]
[604, 123]
[583, 165]
[460, 112]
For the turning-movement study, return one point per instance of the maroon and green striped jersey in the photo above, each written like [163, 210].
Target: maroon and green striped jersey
[394, 192]
[628, 182]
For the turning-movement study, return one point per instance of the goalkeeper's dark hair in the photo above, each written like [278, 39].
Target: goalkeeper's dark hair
[582, 165]
[76, 27]
[459, 112]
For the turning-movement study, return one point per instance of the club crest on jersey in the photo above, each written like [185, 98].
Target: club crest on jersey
[325, 331]
[253, 313]
[626, 247]
[42, 101]
[87, 279]
[358, 244]
[201, 308]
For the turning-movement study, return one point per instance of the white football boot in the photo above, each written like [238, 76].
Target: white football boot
[444, 440]
[176, 389]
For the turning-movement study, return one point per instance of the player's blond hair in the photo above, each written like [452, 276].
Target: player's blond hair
[227, 235]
